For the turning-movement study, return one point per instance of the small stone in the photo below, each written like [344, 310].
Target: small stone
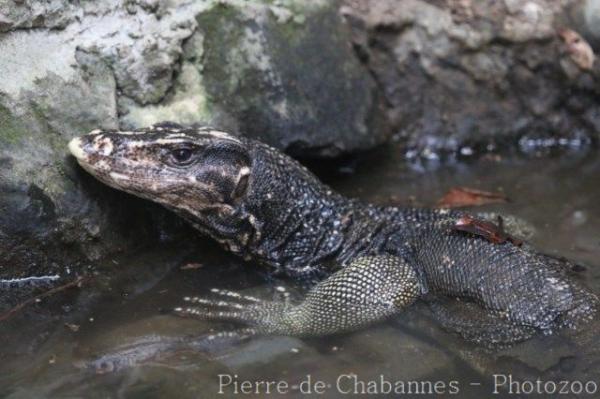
[191, 266]
[72, 327]
[578, 49]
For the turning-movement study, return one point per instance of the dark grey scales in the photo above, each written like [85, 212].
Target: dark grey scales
[264, 206]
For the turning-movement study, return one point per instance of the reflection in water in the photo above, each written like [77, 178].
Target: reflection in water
[559, 197]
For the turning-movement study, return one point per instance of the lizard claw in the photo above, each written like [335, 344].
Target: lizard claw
[235, 295]
[343, 302]
[235, 307]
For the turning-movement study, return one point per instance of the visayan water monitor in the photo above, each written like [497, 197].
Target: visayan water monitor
[264, 206]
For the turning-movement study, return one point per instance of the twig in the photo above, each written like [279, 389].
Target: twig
[52, 291]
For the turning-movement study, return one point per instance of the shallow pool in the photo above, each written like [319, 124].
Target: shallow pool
[409, 355]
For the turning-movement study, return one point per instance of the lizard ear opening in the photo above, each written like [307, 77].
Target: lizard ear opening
[241, 186]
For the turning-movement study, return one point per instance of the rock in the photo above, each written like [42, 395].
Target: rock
[52, 14]
[480, 74]
[286, 76]
[282, 71]
[586, 16]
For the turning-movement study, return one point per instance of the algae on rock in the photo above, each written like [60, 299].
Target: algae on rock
[280, 71]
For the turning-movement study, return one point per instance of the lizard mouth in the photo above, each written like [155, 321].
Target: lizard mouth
[93, 152]
[76, 149]
[95, 163]
[92, 144]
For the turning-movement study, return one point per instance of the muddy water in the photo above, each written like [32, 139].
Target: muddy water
[411, 353]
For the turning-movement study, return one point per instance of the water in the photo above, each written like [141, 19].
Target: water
[560, 197]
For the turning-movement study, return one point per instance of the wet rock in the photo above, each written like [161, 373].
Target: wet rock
[586, 15]
[284, 72]
[480, 73]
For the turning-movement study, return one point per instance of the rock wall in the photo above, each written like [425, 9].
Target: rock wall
[282, 71]
[461, 76]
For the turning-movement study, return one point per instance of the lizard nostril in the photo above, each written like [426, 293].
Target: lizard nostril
[103, 145]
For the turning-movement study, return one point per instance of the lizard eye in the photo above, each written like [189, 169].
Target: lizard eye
[182, 156]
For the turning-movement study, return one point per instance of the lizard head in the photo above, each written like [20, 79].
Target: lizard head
[232, 188]
[186, 169]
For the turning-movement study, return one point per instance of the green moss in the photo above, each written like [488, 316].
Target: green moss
[11, 131]
[223, 34]
[235, 59]
[293, 33]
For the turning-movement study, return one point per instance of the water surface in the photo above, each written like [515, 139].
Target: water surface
[559, 197]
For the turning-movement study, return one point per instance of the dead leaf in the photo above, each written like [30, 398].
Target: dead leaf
[191, 266]
[78, 282]
[458, 197]
[578, 49]
[494, 233]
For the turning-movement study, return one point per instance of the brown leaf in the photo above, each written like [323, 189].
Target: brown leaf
[78, 282]
[494, 233]
[191, 266]
[463, 196]
[579, 50]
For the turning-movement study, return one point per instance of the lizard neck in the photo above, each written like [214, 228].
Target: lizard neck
[299, 221]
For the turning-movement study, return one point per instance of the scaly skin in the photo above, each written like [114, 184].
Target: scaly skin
[262, 205]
